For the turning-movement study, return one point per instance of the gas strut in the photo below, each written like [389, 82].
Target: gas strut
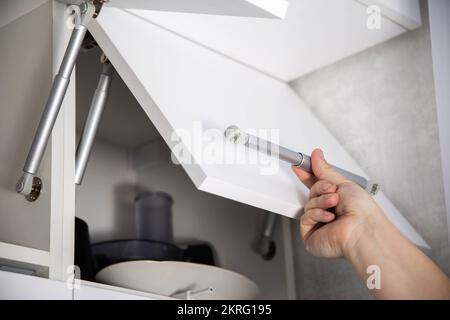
[93, 120]
[29, 184]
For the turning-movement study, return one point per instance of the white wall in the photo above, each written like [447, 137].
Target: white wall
[25, 79]
[105, 198]
[14, 9]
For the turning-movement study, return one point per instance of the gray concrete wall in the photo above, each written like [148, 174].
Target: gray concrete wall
[380, 105]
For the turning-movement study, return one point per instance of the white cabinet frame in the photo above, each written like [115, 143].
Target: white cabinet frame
[62, 222]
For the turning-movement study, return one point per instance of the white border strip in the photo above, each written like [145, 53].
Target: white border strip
[439, 13]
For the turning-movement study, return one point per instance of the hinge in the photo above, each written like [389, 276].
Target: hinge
[97, 3]
[98, 6]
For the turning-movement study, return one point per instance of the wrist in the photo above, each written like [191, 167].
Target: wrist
[364, 236]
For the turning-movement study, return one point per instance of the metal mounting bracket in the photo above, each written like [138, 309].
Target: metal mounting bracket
[97, 3]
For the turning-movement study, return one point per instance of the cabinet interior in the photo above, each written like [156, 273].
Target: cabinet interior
[129, 156]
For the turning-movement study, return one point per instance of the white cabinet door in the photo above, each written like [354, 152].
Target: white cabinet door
[243, 8]
[315, 33]
[192, 94]
[14, 286]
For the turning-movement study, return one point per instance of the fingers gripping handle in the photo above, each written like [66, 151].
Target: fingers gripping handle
[367, 185]
[236, 135]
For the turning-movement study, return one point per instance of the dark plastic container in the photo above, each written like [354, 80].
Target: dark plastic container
[153, 216]
[110, 252]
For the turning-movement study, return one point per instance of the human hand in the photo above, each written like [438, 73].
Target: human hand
[338, 211]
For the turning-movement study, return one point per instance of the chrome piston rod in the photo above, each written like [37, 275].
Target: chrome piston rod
[92, 122]
[293, 157]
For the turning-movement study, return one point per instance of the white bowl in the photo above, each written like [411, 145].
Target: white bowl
[179, 279]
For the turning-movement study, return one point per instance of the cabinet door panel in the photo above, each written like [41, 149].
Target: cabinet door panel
[240, 8]
[189, 91]
[315, 33]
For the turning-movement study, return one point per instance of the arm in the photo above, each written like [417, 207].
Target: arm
[357, 230]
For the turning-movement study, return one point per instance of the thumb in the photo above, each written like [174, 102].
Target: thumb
[323, 171]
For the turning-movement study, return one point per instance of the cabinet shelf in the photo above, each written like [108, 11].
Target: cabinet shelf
[24, 259]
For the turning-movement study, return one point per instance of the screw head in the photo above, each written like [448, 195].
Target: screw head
[35, 190]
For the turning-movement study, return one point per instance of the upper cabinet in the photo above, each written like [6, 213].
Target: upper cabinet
[241, 8]
[313, 34]
[195, 75]
[189, 92]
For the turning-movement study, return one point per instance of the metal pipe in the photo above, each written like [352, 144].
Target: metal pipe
[266, 245]
[92, 122]
[295, 158]
[54, 102]
[269, 224]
